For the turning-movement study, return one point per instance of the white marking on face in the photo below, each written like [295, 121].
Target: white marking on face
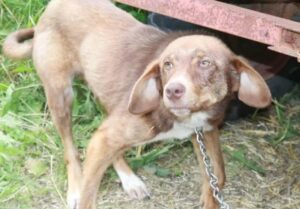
[182, 79]
[179, 78]
[133, 185]
[182, 112]
[185, 128]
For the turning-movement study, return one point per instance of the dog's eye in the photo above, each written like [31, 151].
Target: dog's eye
[204, 63]
[168, 65]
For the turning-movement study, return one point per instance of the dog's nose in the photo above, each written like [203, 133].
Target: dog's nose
[175, 91]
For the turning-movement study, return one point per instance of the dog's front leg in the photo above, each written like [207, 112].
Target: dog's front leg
[132, 184]
[211, 141]
[101, 152]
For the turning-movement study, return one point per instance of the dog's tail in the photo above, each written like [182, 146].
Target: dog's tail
[18, 45]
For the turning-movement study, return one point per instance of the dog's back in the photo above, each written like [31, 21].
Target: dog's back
[96, 34]
[97, 40]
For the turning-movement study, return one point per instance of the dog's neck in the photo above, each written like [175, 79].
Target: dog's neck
[161, 119]
[164, 125]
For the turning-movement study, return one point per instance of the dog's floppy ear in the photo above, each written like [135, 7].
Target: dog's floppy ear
[145, 95]
[252, 88]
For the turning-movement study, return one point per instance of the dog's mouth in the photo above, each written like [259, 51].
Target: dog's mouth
[180, 111]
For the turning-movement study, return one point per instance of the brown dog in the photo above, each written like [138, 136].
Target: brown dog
[153, 85]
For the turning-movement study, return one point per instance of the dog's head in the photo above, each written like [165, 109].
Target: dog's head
[193, 73]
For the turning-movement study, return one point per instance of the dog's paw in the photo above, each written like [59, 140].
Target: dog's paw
[207, 201]
[134, 186]
[73, 198]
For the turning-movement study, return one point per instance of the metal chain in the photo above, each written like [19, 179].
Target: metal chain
[218, 195]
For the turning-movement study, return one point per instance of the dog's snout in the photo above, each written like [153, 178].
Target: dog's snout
[175, 91]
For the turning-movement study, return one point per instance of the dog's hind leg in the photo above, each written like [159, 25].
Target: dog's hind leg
[55, 71]
[59, 98]
[131, 183]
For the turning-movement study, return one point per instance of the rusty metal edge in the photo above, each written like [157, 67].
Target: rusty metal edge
[256, 26]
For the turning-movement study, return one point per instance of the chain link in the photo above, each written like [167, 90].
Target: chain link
[218, 195]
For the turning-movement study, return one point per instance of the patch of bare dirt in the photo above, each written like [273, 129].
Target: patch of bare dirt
[279, 188]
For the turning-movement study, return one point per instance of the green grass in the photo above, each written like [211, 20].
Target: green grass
[25, 132]
[286, 121]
